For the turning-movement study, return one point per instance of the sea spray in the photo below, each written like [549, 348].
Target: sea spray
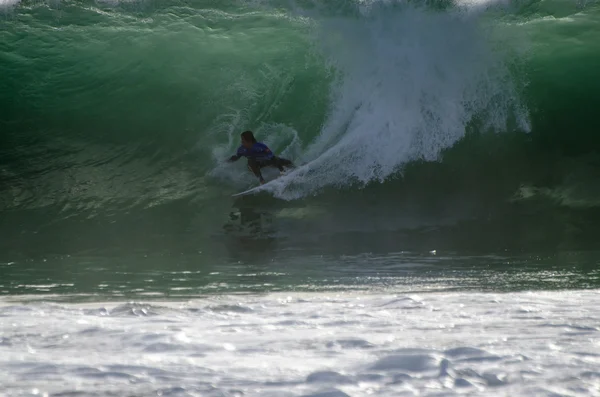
[408, 82]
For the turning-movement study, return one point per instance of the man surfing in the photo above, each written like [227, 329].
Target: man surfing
[259, 156]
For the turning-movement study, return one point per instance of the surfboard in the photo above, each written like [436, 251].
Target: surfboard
[249, 191]
[269, 175]
[253, 190]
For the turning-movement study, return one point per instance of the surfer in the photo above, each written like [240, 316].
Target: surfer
[259, 156]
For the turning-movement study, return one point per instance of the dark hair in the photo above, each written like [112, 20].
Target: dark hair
[248, 136]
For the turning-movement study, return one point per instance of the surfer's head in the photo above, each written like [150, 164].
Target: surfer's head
[248, 139]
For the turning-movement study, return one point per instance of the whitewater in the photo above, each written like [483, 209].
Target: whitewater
[406, 84]
[306, 344]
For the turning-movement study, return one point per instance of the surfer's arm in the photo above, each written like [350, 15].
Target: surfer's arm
[241, 152]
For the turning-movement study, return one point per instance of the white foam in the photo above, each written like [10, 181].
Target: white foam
[8, 3]
[409, 80]
[295, 344]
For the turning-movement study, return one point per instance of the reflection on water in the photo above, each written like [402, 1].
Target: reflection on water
[246, 219]
[184, 275]
[250, 234]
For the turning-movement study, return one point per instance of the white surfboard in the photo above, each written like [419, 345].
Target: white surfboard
[268, 175]
[253, 190]
[249, 191]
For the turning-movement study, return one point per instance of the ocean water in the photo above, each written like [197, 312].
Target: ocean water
[439, 235]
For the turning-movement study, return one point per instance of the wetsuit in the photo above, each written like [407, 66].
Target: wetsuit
[259, 156]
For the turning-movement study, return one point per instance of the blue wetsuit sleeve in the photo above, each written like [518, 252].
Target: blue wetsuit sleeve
[238, 155]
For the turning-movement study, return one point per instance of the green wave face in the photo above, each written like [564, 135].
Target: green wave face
[472, 123]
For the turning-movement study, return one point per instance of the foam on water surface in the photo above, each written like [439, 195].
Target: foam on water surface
[309, 344]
